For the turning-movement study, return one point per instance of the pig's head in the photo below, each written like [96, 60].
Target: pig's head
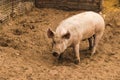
[59, 42]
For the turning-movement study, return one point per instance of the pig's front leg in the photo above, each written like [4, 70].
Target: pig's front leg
[77, 54]
[60, 59]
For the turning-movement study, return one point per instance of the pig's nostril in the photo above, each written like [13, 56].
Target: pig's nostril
[55, 54]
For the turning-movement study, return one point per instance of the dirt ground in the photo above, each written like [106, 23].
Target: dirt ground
[25, 50]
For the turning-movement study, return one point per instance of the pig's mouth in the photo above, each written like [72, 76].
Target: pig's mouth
[55, 54]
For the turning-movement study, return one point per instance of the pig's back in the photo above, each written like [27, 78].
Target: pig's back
[82, 19]
[83, 22]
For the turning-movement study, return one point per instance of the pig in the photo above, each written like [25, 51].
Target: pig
[73, 30]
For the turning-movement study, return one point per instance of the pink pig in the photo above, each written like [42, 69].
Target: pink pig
[73, 30]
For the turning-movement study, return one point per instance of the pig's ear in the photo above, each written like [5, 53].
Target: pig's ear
[66, 36]
[50, 33]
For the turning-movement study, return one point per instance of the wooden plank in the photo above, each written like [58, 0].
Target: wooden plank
[71, 4]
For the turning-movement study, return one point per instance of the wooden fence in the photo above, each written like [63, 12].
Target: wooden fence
[10, 8]
[95, 5]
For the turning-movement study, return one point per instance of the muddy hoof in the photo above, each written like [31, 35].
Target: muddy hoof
[60, 60]
[90, 48]
[92, 54]
[76, 61]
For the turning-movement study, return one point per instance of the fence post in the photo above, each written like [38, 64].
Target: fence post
[12, 11]
[100, 5]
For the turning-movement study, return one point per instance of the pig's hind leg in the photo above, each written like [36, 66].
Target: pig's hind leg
[97, 38]
[90, 40]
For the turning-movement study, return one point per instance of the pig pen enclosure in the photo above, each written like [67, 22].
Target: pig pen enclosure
[25, 50]
[12, 8]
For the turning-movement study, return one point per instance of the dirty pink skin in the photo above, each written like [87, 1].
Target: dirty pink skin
[73, 30]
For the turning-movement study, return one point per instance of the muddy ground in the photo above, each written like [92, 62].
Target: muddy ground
[25, 50]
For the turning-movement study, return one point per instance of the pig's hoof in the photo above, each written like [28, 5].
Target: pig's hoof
[76, 61]
[92, 54]
[90, 48]
[60, 60]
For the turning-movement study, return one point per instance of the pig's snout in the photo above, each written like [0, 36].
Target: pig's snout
[55, 54]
